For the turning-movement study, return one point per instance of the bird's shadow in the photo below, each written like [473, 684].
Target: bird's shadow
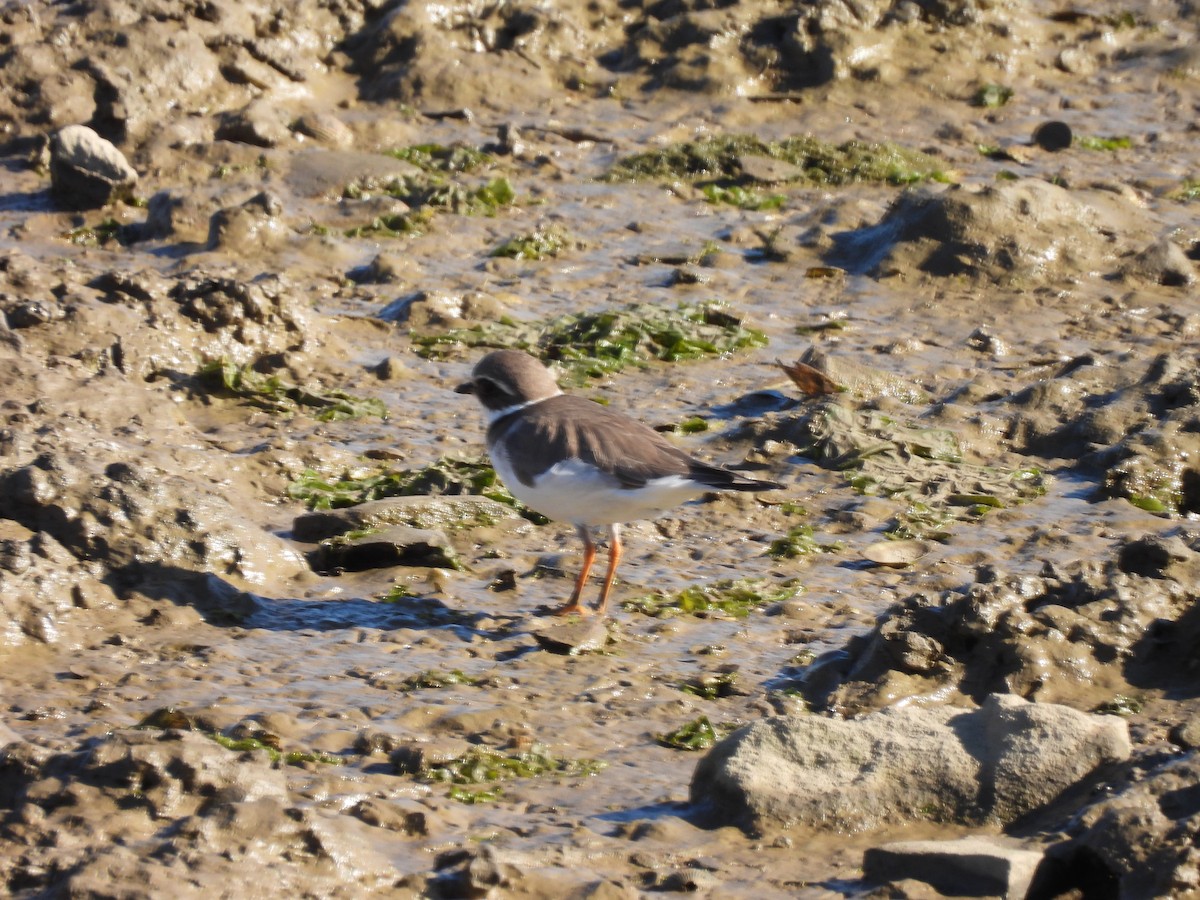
[222, 604]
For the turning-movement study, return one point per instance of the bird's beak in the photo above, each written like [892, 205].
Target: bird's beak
[467, 387]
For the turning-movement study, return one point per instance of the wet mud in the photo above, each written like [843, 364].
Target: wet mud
[339, 207]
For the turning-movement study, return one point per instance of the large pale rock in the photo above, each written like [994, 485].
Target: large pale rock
[993, 764]
[86, 171]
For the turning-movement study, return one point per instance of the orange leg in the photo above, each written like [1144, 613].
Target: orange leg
[614, 557]
[573, 606]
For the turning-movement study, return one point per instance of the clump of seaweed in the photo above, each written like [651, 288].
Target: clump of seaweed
[425, 195]
[735, 599]
[447, 476]
[443, 158]
[886, 456]
[590, 345]
[432, 678]
[482, 766]
[538, 244]
[800, 540]
[743, 198]
[711, 685]
[1108, 144]
[720, 159]
[272, 393]
[96, 235]
[169, 718]
[698, 734]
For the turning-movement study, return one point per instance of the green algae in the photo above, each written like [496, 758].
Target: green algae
[900, 458]
[728, 597]
[1122, 705]
[711, 685]
[1188, 190]
[272, 393]
[718, 159]
[1108, 144]
[991, 96]
[698, 734]
[448, 476]
[443, 158]
[692, 425]
[97, 235]
[591, 345]
[426, 195]
[800, 540]
[481, 766]
[432, 678]
[743, 198]
[538, 244]
[169, 718]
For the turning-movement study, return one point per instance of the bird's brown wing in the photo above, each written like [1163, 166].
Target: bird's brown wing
[571, 427]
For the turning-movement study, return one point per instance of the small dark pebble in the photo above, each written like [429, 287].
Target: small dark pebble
[1053, 136]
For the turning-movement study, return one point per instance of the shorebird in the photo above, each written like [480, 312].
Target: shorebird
[576, 461]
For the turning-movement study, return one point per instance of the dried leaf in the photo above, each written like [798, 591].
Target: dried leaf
[812, 382]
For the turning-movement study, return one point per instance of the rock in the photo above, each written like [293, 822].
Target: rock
[325, 128]
[1013, 230]
[417, 511]
[1153, 555]
[1140, 842]
[993, 764]
[395, 545]
[1187, 734]
[418, 756]
[572, 638]
[166, 765]
[1163, 262]
[86, 171]
[263, 315]
[1029, 635]
[1053, 136]
[261, 123]
[765, 170]
[405, 816]
[969, 867]
[250, 226]
[175, 214]
[430, 310]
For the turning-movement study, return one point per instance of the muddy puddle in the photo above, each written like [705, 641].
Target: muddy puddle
[188, 699]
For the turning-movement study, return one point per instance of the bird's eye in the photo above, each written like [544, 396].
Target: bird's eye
[488, 390]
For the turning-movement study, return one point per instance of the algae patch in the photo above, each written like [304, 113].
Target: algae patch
[800, 540]
[426, 195]
[590, 345]
[481, 766]
[734, 599]
[538, 244]
[447, 476]
[272, 393]
[443, 158]
[170, 719]
[432, 678]
[698, 734]
[729, 158]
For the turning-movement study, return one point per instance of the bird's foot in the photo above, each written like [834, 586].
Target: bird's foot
[572, 608]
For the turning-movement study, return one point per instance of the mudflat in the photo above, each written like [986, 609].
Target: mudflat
[267, 618]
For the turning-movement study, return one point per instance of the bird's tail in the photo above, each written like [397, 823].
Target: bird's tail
[725, 480]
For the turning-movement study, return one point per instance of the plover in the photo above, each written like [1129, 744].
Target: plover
[577, 461]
